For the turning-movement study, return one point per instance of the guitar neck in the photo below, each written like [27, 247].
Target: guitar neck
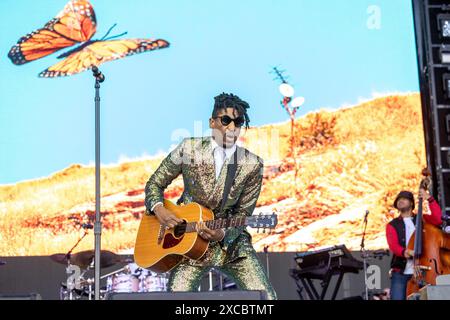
[219, 224]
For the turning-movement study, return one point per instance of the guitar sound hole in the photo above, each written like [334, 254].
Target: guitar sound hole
[180, 229]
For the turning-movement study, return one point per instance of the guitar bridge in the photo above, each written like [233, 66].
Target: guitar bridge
[424, 268]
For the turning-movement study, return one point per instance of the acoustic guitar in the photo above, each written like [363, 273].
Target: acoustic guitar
[160, 249]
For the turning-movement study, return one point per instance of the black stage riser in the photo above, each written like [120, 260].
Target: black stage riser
[25, 275]
[218, 295]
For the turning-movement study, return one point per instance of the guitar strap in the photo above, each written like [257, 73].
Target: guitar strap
[231, 173]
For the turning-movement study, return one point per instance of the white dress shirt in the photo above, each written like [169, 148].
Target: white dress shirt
[220, 155]
[409, 230]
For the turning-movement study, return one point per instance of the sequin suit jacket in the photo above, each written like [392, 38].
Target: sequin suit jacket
[193, 159]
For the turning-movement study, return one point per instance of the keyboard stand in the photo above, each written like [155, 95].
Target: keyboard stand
[308, 285]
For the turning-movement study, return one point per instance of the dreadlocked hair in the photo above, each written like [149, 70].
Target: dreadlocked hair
[229, 100]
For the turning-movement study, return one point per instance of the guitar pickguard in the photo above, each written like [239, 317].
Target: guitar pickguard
[170, 241]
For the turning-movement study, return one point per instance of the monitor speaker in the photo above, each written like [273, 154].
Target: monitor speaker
[432, 293]
[435, 293]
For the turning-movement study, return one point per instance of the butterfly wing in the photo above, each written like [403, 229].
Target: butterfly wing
[75, 23]
[99, 52]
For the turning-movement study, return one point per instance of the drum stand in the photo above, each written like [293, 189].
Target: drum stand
[211, 287]
[211, 280]
[70, 288]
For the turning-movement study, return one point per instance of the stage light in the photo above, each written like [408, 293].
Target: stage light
[432, 26]
[444, 25]
[286, 90]
[297, 102]
[446, 83]
[447, 128]
[445, 28]
[444, 53]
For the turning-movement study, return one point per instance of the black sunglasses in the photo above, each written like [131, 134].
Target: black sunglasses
[226, 120]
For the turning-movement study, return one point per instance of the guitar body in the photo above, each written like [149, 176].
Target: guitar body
[160, 250]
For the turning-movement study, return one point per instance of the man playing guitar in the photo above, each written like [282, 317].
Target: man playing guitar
[203, 164]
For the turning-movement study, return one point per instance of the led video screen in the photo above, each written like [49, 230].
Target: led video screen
[355, 140]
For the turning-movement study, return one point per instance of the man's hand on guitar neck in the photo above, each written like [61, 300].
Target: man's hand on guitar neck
[208, 234]
[165, 216]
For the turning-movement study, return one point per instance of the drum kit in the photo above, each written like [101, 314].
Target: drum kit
[130, 278]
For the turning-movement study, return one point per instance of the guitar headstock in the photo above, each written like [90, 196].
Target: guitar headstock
[262, 221]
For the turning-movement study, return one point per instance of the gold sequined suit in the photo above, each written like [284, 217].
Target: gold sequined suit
[234, 255]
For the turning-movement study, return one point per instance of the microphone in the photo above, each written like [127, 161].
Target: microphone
[97, 74]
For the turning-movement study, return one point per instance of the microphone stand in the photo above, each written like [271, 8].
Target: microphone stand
[69, 253]
[98, 224]
[364, 256]
[69, 256]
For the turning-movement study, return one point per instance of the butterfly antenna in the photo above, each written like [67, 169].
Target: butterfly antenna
[119, 35]
[109, 31]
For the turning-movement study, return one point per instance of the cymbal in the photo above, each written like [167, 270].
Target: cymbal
[84, 259]
[59, 257]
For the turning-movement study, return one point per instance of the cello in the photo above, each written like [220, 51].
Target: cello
[431, 247]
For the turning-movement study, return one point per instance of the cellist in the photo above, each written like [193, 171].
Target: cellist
[398, 233]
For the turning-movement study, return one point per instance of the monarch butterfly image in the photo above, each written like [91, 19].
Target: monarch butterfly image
[76, 24]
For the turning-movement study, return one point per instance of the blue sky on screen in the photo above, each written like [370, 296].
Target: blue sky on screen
[331, 55]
